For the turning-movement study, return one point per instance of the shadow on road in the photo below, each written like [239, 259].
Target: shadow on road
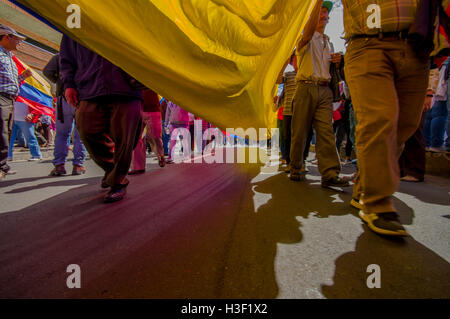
[408, 270]
[192, 231]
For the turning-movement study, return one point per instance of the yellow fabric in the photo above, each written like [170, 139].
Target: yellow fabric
[218, 59]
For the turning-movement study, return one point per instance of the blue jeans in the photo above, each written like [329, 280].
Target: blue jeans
[62, 138]
[434, 128]
[27, 129]
[447, 141]
[166, 140]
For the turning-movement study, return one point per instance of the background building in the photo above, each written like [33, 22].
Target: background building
[42, 41]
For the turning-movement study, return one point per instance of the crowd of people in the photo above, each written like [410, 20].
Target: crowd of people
[379, 99]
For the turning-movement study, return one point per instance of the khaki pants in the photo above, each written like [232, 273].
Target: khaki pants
[387, 82]
[312, 105]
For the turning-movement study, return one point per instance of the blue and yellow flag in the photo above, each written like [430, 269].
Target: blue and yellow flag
[218, 59]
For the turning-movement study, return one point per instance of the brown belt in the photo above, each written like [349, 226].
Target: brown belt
[382, 35]
[319, 83]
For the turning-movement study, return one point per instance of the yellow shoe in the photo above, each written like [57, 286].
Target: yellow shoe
[384, 223]
[355, 203]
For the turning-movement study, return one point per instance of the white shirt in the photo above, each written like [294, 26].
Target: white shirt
[314, 59]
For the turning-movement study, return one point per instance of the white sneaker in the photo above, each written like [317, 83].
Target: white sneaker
[34, 159]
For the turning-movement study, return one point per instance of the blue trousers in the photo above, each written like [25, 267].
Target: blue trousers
[435, 121]
[62, 138]
[27, 129]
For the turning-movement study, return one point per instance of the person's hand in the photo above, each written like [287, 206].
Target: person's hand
[71, 96]
[29, 117]
[336, 58]
[427, 104]
[27, 73]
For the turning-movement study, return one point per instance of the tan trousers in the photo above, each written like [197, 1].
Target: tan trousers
[312, 105]
[387, 82]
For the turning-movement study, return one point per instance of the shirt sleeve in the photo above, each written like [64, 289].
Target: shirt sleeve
[68, 62]
[51, 69]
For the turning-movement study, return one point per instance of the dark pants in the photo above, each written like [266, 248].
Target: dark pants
[308, 144]
[109, 129]
[287, 137]
[412, 160]
[6, 106]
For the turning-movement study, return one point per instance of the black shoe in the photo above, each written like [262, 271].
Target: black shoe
[116, 193]
[335, 182]
[384, 223]
[104, 184]
[59, 170]
[296, 176]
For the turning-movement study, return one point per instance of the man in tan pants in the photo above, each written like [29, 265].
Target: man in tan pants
[312, 103]
[388, 81]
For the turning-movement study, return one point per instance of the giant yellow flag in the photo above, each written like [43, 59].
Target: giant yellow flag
[218, 59]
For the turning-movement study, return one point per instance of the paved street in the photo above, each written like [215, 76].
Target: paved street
[214, 231]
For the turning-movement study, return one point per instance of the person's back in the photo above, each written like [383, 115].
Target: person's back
[109, 112]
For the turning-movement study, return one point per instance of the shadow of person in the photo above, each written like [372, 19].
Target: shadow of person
[251, 258]
[433, 190]
[407, 270]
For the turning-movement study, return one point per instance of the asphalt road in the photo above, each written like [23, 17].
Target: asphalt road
[214, 231]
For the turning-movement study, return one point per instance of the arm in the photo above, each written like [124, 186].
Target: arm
[51, 70]
[311, 26]
[67, 68]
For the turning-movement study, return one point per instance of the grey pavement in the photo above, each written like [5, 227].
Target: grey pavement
[214, 231]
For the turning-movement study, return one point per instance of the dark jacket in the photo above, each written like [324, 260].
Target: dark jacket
[92, 75]
[51, 71]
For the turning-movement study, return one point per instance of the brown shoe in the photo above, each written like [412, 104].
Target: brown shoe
[161, 161]
[59, 170]
[78, 170]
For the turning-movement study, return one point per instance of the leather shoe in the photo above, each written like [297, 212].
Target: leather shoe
[116, 193]
[78, 170]
[335, 182]
[161, 161]
[59, 170]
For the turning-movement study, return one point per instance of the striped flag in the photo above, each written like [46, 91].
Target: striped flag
[35, 91]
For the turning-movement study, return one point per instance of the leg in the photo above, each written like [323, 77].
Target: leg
[303, 108]
[154, 130]
[63, 133]
[327, 156]
[139, 155]
[30, 137]
[379, 133]
[439, 117]
[287, 137]
[412, 160]
[92, 121]
[308, 144]
[125, 124]
[427, 128]
[6, 107]
[12, 139]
